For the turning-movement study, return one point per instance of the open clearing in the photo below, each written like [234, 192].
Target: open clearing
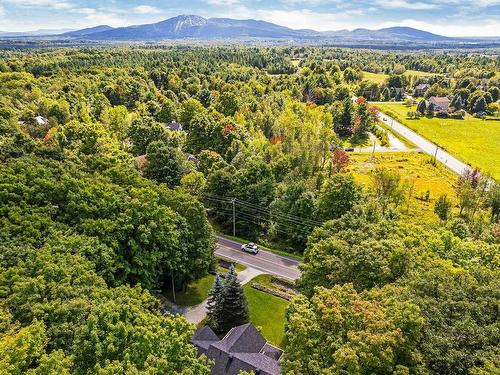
[475, 141]
[267, 312]
[415, 168]
[382, 77]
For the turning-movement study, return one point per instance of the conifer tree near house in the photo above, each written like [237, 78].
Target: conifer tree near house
[234, 310]
[422, 106]
[214, 304]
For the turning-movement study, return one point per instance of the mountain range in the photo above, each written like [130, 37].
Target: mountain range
[199, 28]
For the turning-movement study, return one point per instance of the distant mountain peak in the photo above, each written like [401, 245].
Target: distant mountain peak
[190, 26]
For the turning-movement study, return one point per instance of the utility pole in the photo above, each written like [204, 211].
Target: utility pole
[173, 286]
[373, 152]
[234, 216]
[435, 154]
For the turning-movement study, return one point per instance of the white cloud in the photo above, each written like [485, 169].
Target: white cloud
[403, 4]
[222, 2]
[54, 4]
[2, 11]
[486, 27]
[146, 9]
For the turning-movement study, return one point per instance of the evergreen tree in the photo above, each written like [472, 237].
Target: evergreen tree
[457, 103]
[386, 94]
[214, 304]
[364, 120]
[480, 105]
[344, 122]
[422, 106]
[234, 311]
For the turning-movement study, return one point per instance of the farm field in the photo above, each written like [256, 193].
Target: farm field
[418, 73]
[475, 141]
[382, 77]
[414, 168]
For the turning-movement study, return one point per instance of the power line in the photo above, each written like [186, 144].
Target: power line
[248, 205]
[254, 219]
[275, 216]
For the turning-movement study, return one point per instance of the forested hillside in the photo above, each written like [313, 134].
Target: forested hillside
[106, 203]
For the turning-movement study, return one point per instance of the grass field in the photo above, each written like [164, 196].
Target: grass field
[382, 77]
[414, 168]
[267, 312]
[375, 77]
[418, 73]
[475, 141]
[195, 293]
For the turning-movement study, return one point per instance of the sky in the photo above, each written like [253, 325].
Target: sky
[450, 18]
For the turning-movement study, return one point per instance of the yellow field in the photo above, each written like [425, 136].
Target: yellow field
[382, 77]
[475, 141]
[415, 168]
[375, 77]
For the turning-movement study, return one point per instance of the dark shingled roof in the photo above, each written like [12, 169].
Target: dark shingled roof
[174, 126]
[244, 339]
[243, 348]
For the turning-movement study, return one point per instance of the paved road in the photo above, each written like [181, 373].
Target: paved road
[264, 261]
[428, 147]
[395, 145]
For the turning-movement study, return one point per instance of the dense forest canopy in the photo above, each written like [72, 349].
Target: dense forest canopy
[106, 202]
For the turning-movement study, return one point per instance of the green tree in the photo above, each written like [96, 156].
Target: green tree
[215, 303]
[144, 131]
[442, 208]
[388, 187]
[228, 103]
[190, 109]
[344, 119]
[341, 331]
[234, 310]
[337, 196]
[165, 164]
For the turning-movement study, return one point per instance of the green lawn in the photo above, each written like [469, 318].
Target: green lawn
[267, 312]
[195, 293]
[475, 141]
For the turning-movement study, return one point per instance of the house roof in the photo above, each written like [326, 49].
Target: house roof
[205, 333]
[204, 337]
[192, 158]
[242, 339]
[242, 348]
[422, 86]
[439, 100]
[40, 120]
[174, 126]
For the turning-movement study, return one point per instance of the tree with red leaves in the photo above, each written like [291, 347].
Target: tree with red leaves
[340, 160]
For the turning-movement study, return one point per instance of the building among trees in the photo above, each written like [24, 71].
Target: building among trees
[440, 103]
[421, 89]
[242, 349]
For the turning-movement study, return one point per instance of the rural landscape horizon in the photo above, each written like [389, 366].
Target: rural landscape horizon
[239, 187]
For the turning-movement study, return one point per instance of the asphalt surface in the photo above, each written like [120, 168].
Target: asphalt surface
[264, 261]
[426, 146]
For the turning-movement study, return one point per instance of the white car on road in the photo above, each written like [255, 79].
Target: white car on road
[250, 248]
